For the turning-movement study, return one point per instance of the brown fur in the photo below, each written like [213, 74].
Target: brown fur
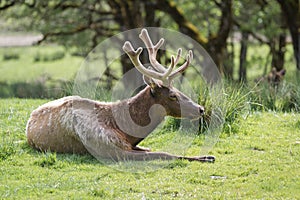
[273, 78]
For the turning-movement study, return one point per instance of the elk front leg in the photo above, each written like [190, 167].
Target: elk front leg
[199, 158]
[144, 156]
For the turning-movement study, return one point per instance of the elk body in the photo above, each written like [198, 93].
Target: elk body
[113, 130]
[273, 78]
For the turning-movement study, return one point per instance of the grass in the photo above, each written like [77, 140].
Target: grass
[25, 65]
[261, 161]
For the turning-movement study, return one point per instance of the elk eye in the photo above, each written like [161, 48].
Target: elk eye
[173, 97]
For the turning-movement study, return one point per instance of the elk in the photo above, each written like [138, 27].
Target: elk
[112, 130]
[273, 78]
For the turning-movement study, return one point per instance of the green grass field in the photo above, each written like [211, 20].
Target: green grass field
[260, 161]
[24, 67]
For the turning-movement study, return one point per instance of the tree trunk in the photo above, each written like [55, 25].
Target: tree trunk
[278, 53]
[290, 9]
[243, 56]
[217, 46]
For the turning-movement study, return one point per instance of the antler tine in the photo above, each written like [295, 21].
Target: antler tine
[183, 67]
[134, 57]
[179, 51]
[133, 54]
[152, 50]
[161, 73]
[170, 68]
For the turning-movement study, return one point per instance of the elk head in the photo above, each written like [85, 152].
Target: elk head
[275, 77]
[159, 79]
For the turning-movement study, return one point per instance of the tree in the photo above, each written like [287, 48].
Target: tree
[290, 10]
[262, 20]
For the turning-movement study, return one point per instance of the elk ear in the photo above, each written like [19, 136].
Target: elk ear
[153, 83]
[273, 70]
[282, 72]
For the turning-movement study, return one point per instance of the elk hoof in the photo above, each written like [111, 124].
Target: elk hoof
[209, 159]
[137, 148]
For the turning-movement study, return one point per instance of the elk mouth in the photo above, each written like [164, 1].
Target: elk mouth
[194, 114]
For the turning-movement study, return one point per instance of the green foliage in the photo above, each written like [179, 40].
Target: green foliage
[227, 104]
[177, 164]
[258, 18]
[10, 56]
[7, 148]
[285, 97]
[82, 27]
[172, 124]
[49, 57]
[101, 193]
[205, 15]
[40, 88]
[297, 124]
[48, 160]
[237, 106]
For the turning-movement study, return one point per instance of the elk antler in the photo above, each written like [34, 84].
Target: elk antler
[164, 74]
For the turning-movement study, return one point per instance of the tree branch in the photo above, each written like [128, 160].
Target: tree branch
[59, 33]
[7, 5]
[65, 5]
[217, 3]
[253, 34]
[185, 26]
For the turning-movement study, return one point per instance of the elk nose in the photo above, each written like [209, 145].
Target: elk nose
[201, 110]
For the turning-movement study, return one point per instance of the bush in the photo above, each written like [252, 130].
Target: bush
[46, 57]
[284, 98]
[42, 87]
[5, 90]
[225, 105]
[11, 56]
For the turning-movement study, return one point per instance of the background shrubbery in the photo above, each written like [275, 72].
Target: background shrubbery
[42, 57]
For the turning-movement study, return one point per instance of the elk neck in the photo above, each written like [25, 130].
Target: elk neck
[145, 110]
[138, 116]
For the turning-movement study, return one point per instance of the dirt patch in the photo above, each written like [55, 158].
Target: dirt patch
[18, 40]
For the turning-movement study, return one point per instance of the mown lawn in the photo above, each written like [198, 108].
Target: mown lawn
[261, 161]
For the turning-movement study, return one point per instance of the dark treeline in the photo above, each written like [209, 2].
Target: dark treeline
[213, 24]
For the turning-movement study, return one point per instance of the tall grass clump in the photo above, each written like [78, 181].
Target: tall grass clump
[11, 55]
[283, 98]
[225, 104]
[46, 57]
